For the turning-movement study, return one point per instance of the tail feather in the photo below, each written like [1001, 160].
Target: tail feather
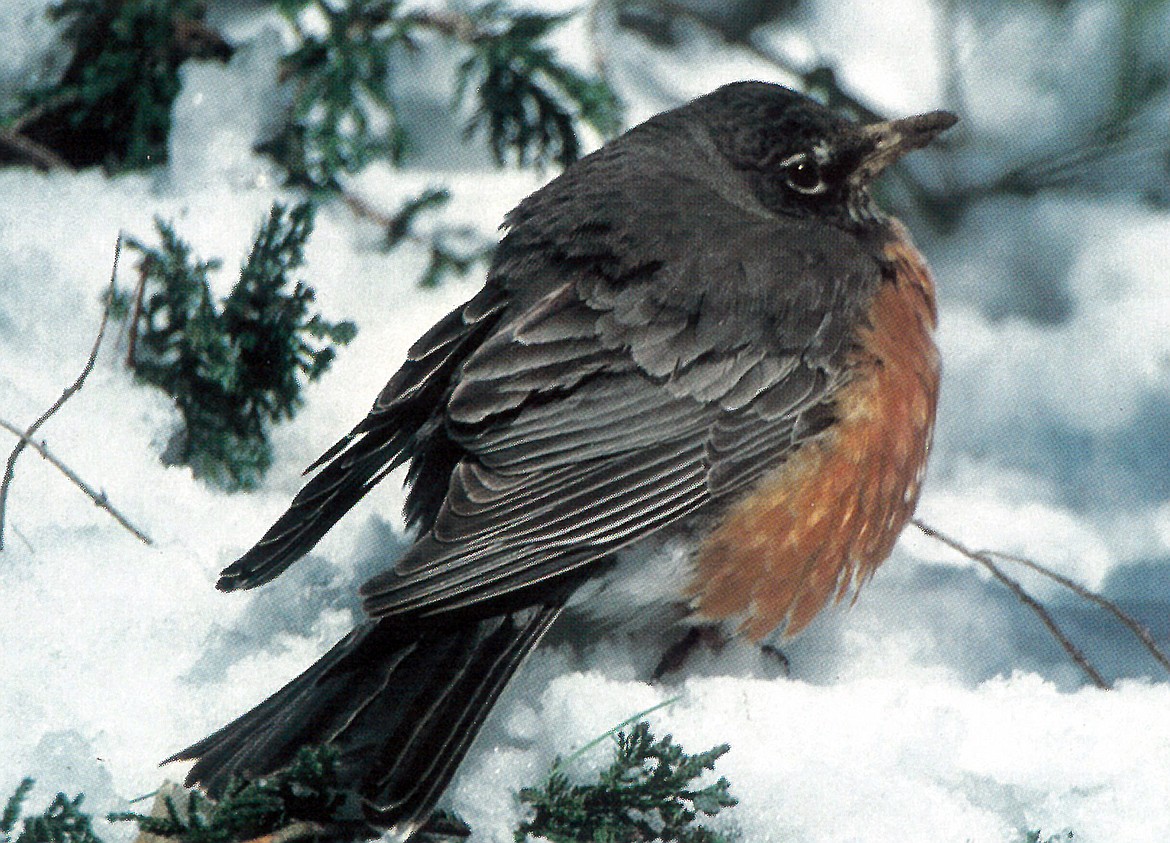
[400, 427]
[419, 768]
[401, 708]
[316, 508]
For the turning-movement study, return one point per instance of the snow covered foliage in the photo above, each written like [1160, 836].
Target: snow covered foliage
[937, 707]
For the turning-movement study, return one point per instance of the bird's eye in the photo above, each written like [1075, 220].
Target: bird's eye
[803, 174]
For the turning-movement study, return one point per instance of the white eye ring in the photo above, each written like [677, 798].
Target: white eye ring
[802, 173]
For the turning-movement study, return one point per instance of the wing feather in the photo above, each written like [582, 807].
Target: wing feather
[549, 423]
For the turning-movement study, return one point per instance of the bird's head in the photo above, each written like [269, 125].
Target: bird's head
[801, 158]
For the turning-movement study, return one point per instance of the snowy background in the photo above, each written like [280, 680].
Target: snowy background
[935, 709]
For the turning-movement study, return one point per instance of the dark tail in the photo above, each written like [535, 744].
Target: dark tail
[401, 709]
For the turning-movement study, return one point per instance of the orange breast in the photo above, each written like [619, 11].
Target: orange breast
[817, 527]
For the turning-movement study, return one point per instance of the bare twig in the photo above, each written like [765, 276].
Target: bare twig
[99, 498]
[395, 226]
[135, 313]
[452, 24]
[26, 149]
[364, 210]
[1140, 631]
[1028, 600]
[294, 831]
[10, 468]
[593, 29]
[36, 112]
[13, 139]
[25, 435]
[24, 539]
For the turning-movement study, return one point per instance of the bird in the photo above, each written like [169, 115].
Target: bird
[702, 361]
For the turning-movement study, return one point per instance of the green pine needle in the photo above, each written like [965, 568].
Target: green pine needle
[530, 103]
[234, 367]
[648, 793]
[62, 821]
[305, 791]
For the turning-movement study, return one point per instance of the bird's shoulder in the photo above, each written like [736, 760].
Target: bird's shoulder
[662, 222]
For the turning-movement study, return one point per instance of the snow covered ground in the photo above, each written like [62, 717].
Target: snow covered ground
[937, 708]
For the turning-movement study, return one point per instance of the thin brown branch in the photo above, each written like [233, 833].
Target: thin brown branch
[362, 209]
[98, 497]
[36, 112]
[389, 223]
[452, 24]
[13, 139]
[596, 49]
[10, 468]
[26, 434]
[294, 831]
[24, 539]
[1140, 631]
[26, 149]
[135, 314]
[1028, 600]
[195, 39]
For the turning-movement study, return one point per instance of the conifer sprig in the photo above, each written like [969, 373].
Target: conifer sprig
[236, 367]
[62, 821]
[646, 794]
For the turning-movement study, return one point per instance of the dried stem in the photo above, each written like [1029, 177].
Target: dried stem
[25, 435]
[1028, 600]
[452, 24]
[13, 139]
[598, 52]
[98, 497]
[362, 209]
[294, 831]
[135, 314]
[1140, 631]
[26, 149]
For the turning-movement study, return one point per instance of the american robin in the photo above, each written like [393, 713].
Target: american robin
[702, 357]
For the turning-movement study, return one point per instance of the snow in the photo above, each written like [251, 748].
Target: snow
[934, 708]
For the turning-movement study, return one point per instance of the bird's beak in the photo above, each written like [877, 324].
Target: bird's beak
[889, 141]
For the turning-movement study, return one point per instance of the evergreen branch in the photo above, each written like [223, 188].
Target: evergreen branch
[112, 103]
[304, 799]
[648, 793]
[62, 821]
[984, 559]
[236, 366]
[1140, 631]
[450, 248]
[12, 807]
[70, 391]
